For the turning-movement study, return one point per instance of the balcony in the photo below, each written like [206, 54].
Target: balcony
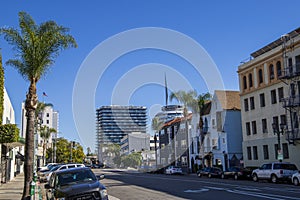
[291, 101]
[293, 135]
[290, 72]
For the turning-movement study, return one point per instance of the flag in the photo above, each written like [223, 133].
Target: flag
[44, 94]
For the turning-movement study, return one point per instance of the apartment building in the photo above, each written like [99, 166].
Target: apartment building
[269, 94]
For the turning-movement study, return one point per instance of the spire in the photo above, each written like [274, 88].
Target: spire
[166, 89]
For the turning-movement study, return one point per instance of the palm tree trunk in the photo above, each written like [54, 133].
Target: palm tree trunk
[30, 106]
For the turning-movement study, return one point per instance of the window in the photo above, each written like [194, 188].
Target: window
[295, 120]
[248, 130]
[271, 72]
[246, 106]
[183, 143]
[260, 76]
[276, 151]
[297, 59]
[280, 94]
[250, 80]
[262, 100]
[47, 121]
[285, 151]
[273, 97]
[252, 105]
[254, 130]
[278, 68]
[275, 120]
[290, 63]
[184, 160]
[266, 152]
[245, 82]
[264, 126]
[47, 114]
[255, 155]
[249, 153]
[283, 119]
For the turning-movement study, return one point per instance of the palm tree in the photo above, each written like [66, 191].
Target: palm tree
[188, 100]
[201, 101]
[45, 133]
[156, 125]
[36, 47]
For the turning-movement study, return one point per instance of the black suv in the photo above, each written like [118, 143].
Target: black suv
[75, 183]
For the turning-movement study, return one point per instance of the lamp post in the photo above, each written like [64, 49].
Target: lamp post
[203, 132]
[278, 133]
[155, 148]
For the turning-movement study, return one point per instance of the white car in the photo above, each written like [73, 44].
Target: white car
[275, 172]
[173, 170]
[296, 178]
[47, 167]
[47, 175]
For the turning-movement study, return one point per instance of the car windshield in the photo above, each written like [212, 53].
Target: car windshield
[75, 177]
[54, 168]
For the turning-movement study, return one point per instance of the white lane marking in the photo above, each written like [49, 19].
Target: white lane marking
[215, 188]
[112, 198]
[263, 195]
[196, 191]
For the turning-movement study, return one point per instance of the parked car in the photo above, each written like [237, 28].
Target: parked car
[75, 183]
[46, 175]
[209, 172]
[275, 171]
[296, 178]
[237, 173]
[173, 170]
[47, 167]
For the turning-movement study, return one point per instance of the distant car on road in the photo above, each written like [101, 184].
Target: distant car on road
[237, 173]
[209, 172]
[75, 183]
[173, 170]
[275, 171]
[296, 178]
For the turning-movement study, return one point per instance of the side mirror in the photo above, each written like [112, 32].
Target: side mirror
[100, 177]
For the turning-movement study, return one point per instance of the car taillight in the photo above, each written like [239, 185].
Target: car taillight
[281, 171]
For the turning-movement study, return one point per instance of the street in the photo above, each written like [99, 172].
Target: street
[133, 185]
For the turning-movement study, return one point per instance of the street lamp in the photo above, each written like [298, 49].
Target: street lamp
[278, 132]
[155, 148]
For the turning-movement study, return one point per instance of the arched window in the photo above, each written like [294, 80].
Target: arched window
[271, 72]
[260, 76]
[245, 82]
[278, 68]
[250, 80]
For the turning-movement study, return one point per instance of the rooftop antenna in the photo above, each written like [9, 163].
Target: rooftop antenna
[166, 90]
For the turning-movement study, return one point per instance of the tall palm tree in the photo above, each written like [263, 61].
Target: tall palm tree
[36, 47]
[201, 102]
[156, 125]
[188, 100]
[45, 133]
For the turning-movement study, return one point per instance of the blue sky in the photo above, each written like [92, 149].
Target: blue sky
[229, 31]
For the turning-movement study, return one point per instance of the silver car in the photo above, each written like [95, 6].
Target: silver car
[296, 178]
[275, 171]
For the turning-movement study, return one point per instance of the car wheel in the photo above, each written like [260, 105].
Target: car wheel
[295, 181]
[274, 178]
[254, 178]
[236, 177]
[222, 176]
[209, 175]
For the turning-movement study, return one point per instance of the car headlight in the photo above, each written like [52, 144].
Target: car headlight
[103, 193]
[62, 198]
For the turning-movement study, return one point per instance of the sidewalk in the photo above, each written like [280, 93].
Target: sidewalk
[13, 189]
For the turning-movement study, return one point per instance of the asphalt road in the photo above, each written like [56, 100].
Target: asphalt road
[131, 185]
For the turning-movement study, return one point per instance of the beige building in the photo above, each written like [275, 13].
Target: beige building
[269, 91]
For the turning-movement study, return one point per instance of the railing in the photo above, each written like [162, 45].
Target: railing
[291, 101]
[290, 72]
[293, 135]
